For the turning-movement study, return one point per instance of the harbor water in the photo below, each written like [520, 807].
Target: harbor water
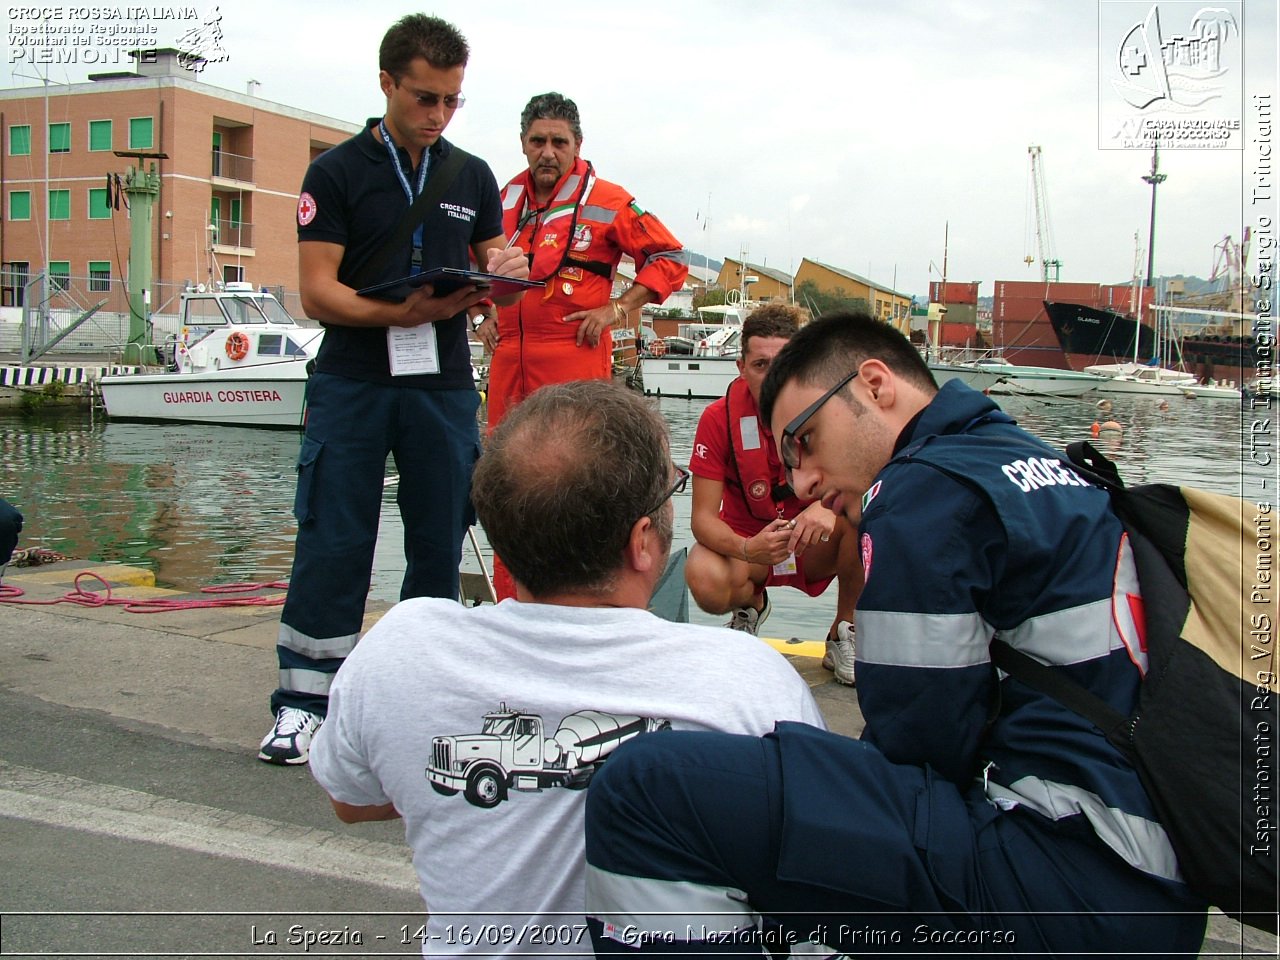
[203, 505]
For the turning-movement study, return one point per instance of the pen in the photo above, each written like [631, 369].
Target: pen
[519, 226]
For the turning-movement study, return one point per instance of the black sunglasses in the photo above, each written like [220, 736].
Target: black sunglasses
[791, 446]
[682, 481]
[425, 98]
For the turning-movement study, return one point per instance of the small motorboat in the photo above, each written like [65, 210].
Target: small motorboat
[239, 359]
[1158, 381]
[1016, 379]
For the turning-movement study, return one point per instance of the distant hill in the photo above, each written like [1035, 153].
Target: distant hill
[693, 257]
[1193, 285]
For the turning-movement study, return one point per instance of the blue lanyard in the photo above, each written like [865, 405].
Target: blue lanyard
[409, 192]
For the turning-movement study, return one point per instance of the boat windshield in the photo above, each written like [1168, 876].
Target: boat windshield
[256, 309]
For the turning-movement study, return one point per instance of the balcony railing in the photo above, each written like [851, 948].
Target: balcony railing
[229, 233]
[230, 166]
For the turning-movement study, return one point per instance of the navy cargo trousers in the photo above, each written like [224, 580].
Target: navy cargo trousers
[351, 427]
[811, 842]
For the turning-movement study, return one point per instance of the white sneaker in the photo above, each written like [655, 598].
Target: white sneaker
[840, 653]
[289, 741]
[748, 619]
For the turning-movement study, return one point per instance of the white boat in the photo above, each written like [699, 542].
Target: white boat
[705, 373]
[240, 360]
[1155, 380]
[1141, 378]
[674, 376]
[1214, 391]
[966, 373]
[1016, 379]
[1159, 381]
[709, 376]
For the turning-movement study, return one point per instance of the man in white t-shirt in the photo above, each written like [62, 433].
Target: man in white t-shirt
[481, 727]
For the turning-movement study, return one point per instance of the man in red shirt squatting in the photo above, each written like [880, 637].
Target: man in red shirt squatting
[576, 227]
[751, 530]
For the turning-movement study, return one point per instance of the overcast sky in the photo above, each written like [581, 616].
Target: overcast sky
[844, 131]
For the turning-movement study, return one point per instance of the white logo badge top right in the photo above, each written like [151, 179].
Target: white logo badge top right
[1170, 72]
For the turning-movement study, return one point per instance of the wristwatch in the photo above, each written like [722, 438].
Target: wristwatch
[486, 311]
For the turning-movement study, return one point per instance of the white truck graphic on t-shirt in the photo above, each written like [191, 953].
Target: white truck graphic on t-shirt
[510, 753]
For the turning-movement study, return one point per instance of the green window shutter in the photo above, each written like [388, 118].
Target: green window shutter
[98, 209]
[60, 274]
[99, 134]
[141, 133]
[99, 275]
[20, 141]
[59, 204]
[59, 138]
[19, 204]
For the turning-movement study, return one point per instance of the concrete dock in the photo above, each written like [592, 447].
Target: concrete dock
[135, 819]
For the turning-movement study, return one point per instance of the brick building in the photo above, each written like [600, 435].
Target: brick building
[228, 183]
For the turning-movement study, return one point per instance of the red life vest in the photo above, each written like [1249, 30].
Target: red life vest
[557, 231]
[763, 487]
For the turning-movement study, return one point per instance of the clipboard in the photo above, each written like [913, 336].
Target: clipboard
[445, 280]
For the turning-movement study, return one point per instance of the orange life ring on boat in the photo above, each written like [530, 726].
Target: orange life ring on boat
[237, 345]
[658, 348]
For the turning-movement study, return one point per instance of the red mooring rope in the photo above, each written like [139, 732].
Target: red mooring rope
[91, 598]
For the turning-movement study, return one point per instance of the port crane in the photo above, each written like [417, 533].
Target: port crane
[1040, 203]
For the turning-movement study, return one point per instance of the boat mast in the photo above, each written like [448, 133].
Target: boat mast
[933, 323]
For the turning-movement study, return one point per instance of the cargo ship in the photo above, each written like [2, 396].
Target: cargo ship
[1022, 327]
[1091, 335]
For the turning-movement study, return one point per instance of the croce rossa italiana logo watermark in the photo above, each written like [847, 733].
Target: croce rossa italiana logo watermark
[97, 34]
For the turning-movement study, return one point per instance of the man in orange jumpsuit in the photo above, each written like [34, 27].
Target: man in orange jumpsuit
[576, 228]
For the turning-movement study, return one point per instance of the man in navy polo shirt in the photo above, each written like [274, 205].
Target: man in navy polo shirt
[391, 377]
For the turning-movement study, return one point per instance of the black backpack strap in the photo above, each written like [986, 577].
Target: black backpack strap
[437, 183]
[1038, 676]
[1095, 465]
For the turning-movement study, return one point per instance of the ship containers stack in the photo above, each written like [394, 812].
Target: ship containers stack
[960, 327]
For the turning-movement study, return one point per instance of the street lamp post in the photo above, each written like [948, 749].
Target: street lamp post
[1155, 178]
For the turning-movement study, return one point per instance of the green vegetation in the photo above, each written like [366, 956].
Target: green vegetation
[822, 302]
[51, 394]
[709, 298]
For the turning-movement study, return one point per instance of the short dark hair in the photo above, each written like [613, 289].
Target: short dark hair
[565, 477]
[833, 346]
[418, 35]
[771, 320]
[551, 106]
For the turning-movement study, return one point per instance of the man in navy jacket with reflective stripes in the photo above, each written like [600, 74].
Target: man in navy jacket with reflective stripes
[975, 815]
